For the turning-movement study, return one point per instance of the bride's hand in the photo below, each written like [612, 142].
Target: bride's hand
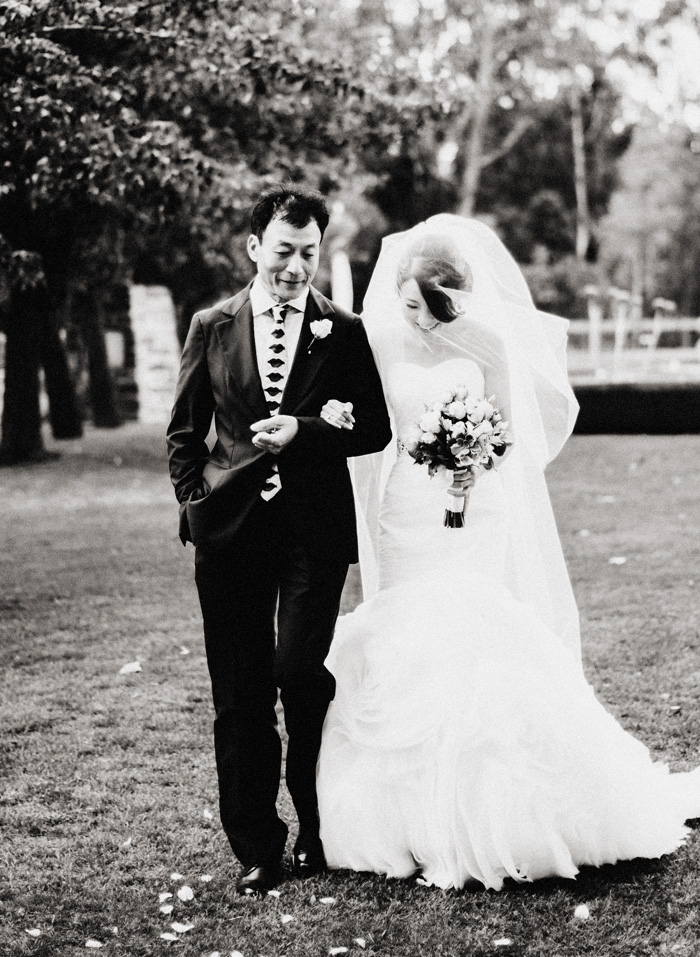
[338, 414]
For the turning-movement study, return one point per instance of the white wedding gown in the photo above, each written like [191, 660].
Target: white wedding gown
[463, 741]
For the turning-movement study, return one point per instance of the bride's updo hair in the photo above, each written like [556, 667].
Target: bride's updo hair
[435, 261]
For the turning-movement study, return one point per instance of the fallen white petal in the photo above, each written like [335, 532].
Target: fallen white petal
[205, 878]
[502, 942]
[168, 936]
[131, 668]
[360, 941]
[93, 943]
[584, 533]
[184, 650]
[166, 909]
[185, 893]
[176, 877]
[582, 912]
[422, 882]
[236, 953]
[181, 928]
[34, 932]
[285, 918]
[617, 560]
[328, 900]
[273, 893]
[127, 842]
[312, 899]
[164, 896]
[337, 950]
[207, 815]
[214, 953]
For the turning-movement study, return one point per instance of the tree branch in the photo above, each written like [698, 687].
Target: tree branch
[76, 29]
[516, 134]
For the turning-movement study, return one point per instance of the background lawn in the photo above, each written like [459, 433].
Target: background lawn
[108, 781]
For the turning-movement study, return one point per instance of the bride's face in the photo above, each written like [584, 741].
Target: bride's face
[414, 307]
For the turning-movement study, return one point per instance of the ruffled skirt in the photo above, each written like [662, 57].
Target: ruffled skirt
[465, 743]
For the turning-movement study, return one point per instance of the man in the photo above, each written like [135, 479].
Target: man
[270, 512]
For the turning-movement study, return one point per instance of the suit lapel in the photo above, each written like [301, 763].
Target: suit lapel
[237, 341]
[307, 361]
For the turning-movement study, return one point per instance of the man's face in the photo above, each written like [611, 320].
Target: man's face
[286, 257]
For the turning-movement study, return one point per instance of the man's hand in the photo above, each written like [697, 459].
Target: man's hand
[274, 434]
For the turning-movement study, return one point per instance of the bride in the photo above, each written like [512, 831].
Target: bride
[464, 742]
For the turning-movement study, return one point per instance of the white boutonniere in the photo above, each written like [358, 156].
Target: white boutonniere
[320, 329]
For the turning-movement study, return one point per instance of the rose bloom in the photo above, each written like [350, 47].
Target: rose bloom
[428, 438]
[470, 403]
[445, 398]
[462, 393]
[430, 422]
[321, 328]
[484, 428]
[457, 410]
[459, 428]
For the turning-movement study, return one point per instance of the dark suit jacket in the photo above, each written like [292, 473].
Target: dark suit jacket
[219, 375]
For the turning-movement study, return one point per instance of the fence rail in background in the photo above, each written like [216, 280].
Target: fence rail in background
[608, 326]
[624, 349]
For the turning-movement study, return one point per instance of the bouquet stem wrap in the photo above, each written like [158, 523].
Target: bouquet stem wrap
[457, 499]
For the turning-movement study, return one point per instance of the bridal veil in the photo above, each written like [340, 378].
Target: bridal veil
[522, 353]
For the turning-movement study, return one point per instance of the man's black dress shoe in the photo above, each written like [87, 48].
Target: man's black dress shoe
[257, 879]
[308, 859]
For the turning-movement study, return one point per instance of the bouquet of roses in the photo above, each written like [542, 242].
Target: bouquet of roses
[461, 433]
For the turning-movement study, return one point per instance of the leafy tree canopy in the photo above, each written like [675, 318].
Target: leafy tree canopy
[129, 127]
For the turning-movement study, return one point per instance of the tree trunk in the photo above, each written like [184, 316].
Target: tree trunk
[479, 119]
[101, 391]
[21, 417]
[583, 218]
[64, 409]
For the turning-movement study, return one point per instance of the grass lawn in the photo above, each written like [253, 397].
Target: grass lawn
[108, 788]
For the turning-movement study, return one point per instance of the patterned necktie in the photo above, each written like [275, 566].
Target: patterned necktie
[273, 384]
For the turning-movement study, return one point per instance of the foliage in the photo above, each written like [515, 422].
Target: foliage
[497, 92]
[651, 235]
[558, 287]
[133, 127]
[529, 192]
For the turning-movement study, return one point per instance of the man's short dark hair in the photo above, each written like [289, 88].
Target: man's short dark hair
[296, 205]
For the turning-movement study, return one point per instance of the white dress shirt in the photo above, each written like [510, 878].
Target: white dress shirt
[261, 303]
